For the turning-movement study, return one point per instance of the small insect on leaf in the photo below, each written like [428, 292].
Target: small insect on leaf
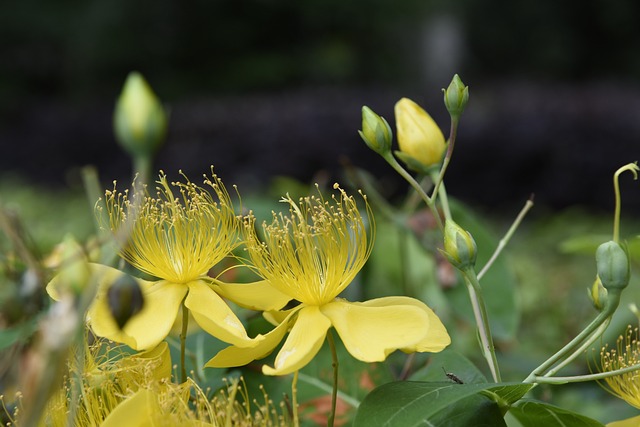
[453, 377]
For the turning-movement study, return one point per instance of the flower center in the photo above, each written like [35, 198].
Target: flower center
[173, 238]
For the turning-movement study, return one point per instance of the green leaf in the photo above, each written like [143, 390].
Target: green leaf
[408, 403]
[449, 362]
[16, 333]
[531, 413]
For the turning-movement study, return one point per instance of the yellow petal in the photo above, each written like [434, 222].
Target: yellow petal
[302, 344]
[238, 356]
[136, 411]
[437, 337]
[417, 134]
[277, 317]
[259, 296]
[214, 315]
[160, 355]
[629, 422]
[145, 329]
[370, 332]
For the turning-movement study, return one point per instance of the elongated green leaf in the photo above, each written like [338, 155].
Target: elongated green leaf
[531, 413]
[21, 331]
[449, 362]
[407, 403]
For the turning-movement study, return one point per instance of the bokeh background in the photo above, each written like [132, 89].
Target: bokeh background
[261, 88]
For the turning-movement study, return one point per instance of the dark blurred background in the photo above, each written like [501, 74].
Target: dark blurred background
[261, 88]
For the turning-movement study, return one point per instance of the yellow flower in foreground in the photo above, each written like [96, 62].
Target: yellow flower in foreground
[176, 238]
[418, 135]
[107, 377]
[625, 386]
[312, 255]
[115, 389]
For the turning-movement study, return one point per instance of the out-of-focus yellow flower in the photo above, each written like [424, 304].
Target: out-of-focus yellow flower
[312, 255]
[626, 386]
[113, 389]
[629, 422]
[176, 238]
[419, 137]
[107, 377]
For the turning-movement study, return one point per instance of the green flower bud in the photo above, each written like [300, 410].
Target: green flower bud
[124, 299]
[459, 246]
[419, 137]
[598, 294]
[613, 265]
[74, 269]
[376, 132]
[456, 96]
[139, 120]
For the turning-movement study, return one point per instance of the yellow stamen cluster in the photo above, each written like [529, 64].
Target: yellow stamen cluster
[174, 237]
[316, 251]
[627, 353]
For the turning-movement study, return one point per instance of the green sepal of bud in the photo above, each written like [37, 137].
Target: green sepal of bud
[125, 299]
[598, 294]
[459, 246]
[456, 96]
[139, 119]
[74, 266]
[376, 132]
[612, 264]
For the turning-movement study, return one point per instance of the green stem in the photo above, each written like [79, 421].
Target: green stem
[294, 398]
[613, 299]
[334, 393]
[482, 320]
[321, 385]
[590, 377]
[596, 334]
[453, 133]
[143, 168]
[503, 242]
[416, 186]
[633, 168]
[183, 343]
[444, 199]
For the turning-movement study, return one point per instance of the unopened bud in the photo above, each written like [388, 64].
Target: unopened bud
[598, 294]
[125, 299]
[139, 120]
[420, 139]
[375, 132]
[456, 96]
[459, 246]
[613, 265]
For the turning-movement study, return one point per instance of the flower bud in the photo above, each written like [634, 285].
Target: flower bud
[419, 137]
[598, 294]
[375, 132]
[456, 96]
[613, 265]
[459, 246]
[139, 120]
[124, 299]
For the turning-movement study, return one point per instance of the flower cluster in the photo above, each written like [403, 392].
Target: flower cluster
[309, 256]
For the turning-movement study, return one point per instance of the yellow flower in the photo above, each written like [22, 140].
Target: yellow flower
[176, 239]
[107, 377]
[418, 135]
[626, 386]
[312, 255]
